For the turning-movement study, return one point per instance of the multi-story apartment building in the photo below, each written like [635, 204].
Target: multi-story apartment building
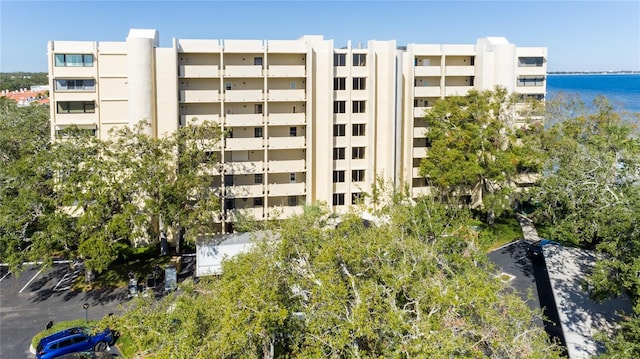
[304, 121]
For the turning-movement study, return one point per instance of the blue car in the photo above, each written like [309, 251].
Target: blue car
[72, 340]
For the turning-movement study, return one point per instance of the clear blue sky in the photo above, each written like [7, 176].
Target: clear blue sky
[579, 35]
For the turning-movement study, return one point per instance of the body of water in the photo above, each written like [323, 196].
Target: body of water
[623, 90]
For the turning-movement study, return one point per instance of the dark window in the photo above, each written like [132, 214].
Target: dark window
[339, 107]
[257, 178]
[359, 83]
[257, 61]
[339, 83]
[357, 129]
[76, 107]
[339, 59]
[338, 153]
[358, 106]
[338, 176]
[292, 201]
[356, 198]
[339, 130]
[338, 199]
[258, 201]
[228, 180]
[359, 59]
[75, 85]
[293, 131]
[530, 61]
[357, 175]
[531, 81]
[257, 132]
[74, 60]
[229, 203]
[357, 153]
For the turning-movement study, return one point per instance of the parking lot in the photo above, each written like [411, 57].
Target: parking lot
[30, 300]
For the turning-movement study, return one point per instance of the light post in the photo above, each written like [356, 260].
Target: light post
[86, 311]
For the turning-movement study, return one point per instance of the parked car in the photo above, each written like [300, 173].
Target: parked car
[88, 355]
[73, 340]
[535, 248]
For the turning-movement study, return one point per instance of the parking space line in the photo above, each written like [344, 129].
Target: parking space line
[31, 280]
[5, 276]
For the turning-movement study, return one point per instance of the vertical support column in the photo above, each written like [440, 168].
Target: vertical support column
[140, 82]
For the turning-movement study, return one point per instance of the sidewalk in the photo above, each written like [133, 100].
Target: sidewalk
[528, 230]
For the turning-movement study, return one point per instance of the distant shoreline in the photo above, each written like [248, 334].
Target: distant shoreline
[593, 73]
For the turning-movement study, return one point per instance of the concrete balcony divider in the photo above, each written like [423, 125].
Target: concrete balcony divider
[286, 166]
[239, 144]
[199, 95]
[243, 71]
[247, 119]
[286, 119]
[243, 95]
[286, 71]
[287, 142]
[202, 71]
[286, 189]
[287, 95]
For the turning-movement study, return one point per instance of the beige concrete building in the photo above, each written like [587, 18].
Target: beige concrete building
[305, 121]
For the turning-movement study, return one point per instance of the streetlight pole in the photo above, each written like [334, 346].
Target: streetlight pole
[86, 311]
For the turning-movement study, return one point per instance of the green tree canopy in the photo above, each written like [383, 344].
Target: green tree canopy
[476, 148]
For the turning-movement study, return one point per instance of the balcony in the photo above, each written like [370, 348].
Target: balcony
[287, 95]
[278, 212]
[421, 71]
[419, 132]
[76, 119]
[457, 90]
[426, 91]
[199, 71]
[238, 213]
[287, 119]
[415, 172]
[254, 190]
[208, 170]
[245, 167]
[285, 166]
[531, 71]
[187, 119]
[240, 144]
[420, 152]
[420, 191]
[286, 71]
[286, 189]
[281, 143]
[459, 70]
[243, 71]
[247, 119]
[243, 95]
[420, 111]
[199, 95]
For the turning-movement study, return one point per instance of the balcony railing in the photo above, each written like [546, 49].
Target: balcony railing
[287, 95]
[419, 111]
[278, 212]
[459, 70]
[286, 189]
[256, 212]
[187, 119]
[457, 90]
[286, 71]
[419, 132]
[199, 95]
[287, 142]
[246, 191]
[202, 71]
[247, 119]
[420, 71]
[243, 95]
[243, 71]
[239, 144]
[286, 119]
[244, 167]
[427, 91]
[420, 152]
[286, 166]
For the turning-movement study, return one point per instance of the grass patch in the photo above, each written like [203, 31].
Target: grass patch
[126, 346]
[505, 230]
[62, 326]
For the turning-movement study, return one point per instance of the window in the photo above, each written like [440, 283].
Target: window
[356, 198]
[339, 83]
[293, 131]
[357, 129]
[228, 180]
[292, 177]
[227, 86]
[358, 106]
[339, 59]
[357, 153]
[74, 60]
[257, 61]
[357, 175]
[338, 176]
[292, 85]
[338, 153]
[292, 201]
[530, 61]
[339, 130]
[257, 178]
[359, 83]
[257, 132]
[76, 107]
[531, 81]
[75, 85]
[258, 202]
[257, 108]
[359, 59]
[229, 203]
[339, 106]
[338, 199]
